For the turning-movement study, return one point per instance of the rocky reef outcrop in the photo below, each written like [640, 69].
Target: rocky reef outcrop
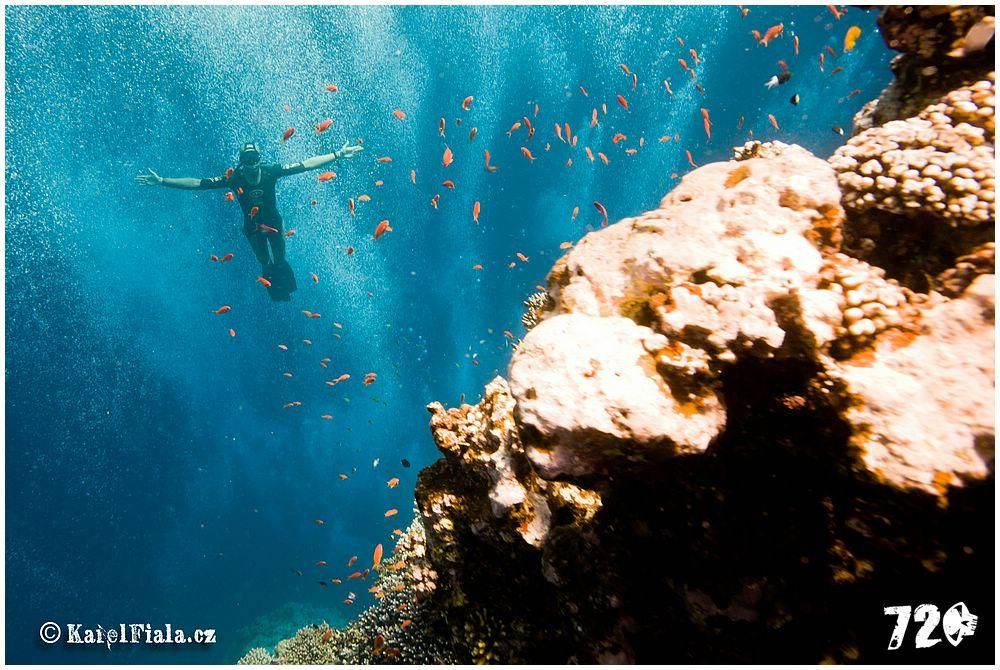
[724, 440]
[742, 423]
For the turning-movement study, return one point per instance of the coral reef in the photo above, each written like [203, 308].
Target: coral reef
[919, 175]
[740, 424]
[256, 656]
[732, 435]
[398, 629]
[534, 308]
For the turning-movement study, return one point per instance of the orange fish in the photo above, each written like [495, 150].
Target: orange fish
[266, 229]
[509, 334]
[226, 258]
[604, 212]
[332, 88]
[513, 128]
[527, 154]
[263, 282]
[391, 512]
[364, 197]
[772, 33]
[229, 172]
[399, 114]
[625, 69]
[232, 333]
[434, 200]
[822, 58]
[684, 64]
[223, 309]
[327, 417]
[666, 84]
[447, 183]
[229, 196]
[522, 257]
[836, 70]
[323, 125]
[687, 152]
[604, 159]
[342, 378]
[829, 50]
[477, 267]
[413, 176]
[467, 103]
[253, 211]
[320, 564]
[289, 233]
[836, 12]
[622, 101]
[352, 560]
[405, 623]
[774, 121]
[475, 211]
[584, 91]
[618, 138]
[384, 159]
[314, 277]
[590, 154]
[593, 118]
[377, 556]
[342, 475]
[441, 127]
[370, 379]
[379, 645]
[350, 206]
[527, 124]
[326, 176]
[694, 55]
[327, 635]
[566, 131]
[355, 575]
[706, 122]
[447, 157]
[559, 132]
[382, 228]
[795, 43]
[576, 210]
[348, 601]
[853, 93]
[288, 133]
[393, 483]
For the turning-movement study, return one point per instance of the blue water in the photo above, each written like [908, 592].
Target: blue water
[153, 474]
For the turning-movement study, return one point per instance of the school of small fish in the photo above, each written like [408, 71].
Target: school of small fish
[543, 144]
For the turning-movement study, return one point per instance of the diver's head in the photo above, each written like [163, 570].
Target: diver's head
[249, 157]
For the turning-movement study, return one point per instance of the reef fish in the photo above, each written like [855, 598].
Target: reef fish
[382, 228]
[851, 38]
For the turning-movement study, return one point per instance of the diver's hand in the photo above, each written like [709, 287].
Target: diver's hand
[348, 151]
[151, 179]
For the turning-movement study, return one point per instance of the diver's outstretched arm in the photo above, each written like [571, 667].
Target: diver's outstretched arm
[346, 151]
[185, 183]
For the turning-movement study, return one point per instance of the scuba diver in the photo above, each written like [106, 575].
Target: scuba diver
[253, 185]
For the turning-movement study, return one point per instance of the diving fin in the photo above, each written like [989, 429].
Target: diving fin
[282, 281]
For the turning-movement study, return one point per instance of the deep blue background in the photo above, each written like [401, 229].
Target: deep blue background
[152, 474]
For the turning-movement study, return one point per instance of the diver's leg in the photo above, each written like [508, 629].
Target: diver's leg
[277, 241]
[259, 245]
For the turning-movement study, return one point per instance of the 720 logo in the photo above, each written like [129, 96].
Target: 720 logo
[957, 624]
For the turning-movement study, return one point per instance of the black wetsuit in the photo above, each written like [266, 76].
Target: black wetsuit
[261, 196]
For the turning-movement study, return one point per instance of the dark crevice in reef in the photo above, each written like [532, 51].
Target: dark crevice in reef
[913, 251]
